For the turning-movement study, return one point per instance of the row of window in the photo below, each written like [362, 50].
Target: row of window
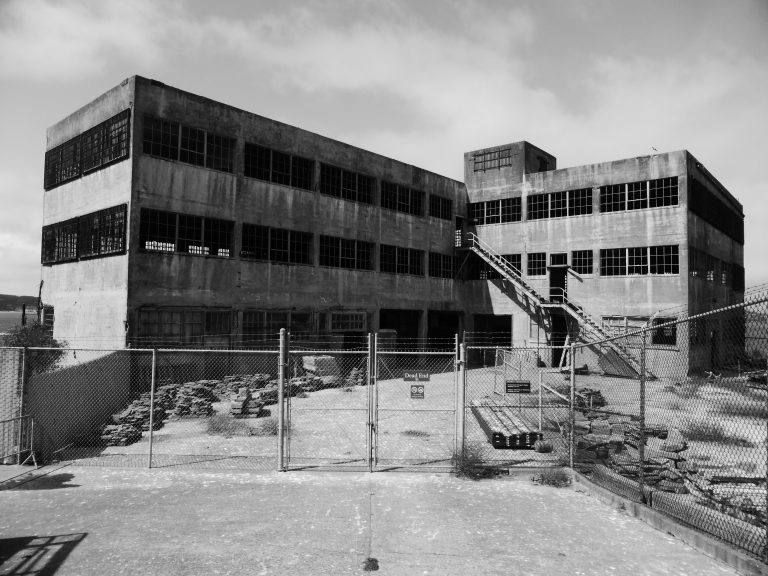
[162, 231]
[92, 150]
[711, 209]
[200, 326]
[492, 160]
[617, 326]
[578, 202]
[174, 141]
[96, 234]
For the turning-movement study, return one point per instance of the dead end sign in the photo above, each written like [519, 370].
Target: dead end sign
[415, 376]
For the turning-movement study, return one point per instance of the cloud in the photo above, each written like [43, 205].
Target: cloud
[69, 40]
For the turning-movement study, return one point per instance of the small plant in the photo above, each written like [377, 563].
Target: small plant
[713, 432]
[415, 433]
[733, 407]
[224, 425]
[469, 464]
[555, 477]
[266, 427]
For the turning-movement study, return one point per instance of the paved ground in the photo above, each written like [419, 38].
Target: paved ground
[107, 521]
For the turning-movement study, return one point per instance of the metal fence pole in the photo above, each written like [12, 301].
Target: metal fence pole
[461, 397]
[641, 441]
[152, 406]
[765, 546]
[281, 363]
[369, 388]
[572, 410]
[22, 385]
[541, 401]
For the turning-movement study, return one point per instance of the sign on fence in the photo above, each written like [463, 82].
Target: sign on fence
[415, 376]
[518, 386]
[417, 392]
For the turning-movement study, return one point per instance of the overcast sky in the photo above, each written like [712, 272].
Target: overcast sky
[419, 81]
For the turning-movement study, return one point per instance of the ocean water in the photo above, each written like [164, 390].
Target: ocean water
[8, 320]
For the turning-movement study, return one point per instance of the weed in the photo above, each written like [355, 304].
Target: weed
[266, 427]
[732, 407]
[675, 405]
[415, 433]
[224, 425]
[555, 477]
[713, 432]
[469, 464]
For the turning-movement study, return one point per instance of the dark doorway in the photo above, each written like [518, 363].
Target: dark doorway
[559, 335]
[558, 277]
[443, 327]
[404, 322]
[492, 330]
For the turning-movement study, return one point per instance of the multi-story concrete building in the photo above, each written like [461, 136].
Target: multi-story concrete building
[173, 218]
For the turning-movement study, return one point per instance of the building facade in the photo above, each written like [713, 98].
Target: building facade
[171, 219]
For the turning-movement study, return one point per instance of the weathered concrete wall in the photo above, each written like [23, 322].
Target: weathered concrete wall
[188, 280]
[90, 296]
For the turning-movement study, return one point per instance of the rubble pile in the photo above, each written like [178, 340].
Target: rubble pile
[356, 377]
[194, 399]
[244, 404]
[120, 434]
[231, 384]
[137, 414]
[589, 398]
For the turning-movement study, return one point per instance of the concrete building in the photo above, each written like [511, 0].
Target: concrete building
[171, 218]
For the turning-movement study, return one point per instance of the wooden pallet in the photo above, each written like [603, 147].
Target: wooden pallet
[503, 428]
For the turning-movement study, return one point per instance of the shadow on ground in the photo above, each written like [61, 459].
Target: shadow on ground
[43, 482]
[36, 555]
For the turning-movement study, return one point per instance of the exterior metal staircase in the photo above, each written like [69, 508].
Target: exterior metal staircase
[590, 331]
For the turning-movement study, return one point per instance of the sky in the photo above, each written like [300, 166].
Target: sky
[420, 81]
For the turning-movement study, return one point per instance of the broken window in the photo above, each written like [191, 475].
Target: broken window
[302, 172]
[441, 265]
[220, 153]
[278, 245]
[330, 180]
[388, 195]
[218, 237]
[662, 192]
[60, 242]
[440, 207]
[665, 260]
[257, 161]
[538, 206]
[190, 235]
[493, 212]
[612, 198]
[582, 261]
[558, 204]
[348, 321]
[580, 202]
[281, 168]
[387, 258]
[157, 232]
[345, 253]
[301, 248]
[255, 242]
[161, 138]
[493, 159]
[402, 198]
[103, 233]
[537, 264]
[664, 333]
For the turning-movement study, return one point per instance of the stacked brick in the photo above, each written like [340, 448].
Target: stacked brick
[244, 404]
[194, 399]
[120, 434]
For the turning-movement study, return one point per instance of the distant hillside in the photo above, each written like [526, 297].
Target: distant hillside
[8, 302]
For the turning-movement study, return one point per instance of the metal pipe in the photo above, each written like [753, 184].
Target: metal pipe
[641, 442]
[462, 395]
[572, 423]
[369, 397]
[21, 397]
[152, 406]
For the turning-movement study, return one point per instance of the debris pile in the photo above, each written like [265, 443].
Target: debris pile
[356, 377]
[137, 414]
[244, 404]
[194, 399]
[120, 434]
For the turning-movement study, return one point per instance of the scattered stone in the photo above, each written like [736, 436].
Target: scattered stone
[120, 434]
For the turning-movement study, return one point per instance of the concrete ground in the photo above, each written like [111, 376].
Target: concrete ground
[84, 521]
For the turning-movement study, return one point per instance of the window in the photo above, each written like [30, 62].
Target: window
[511, 209]
[580, 202]
[710, 267]
[612, 198]
[218, 322]
[558, 259]
[441, 265]
[192, 148]
[493, 212]
[257, 161]
[281, 168]
[738, 277]
[395, 259]
[302, 172]
[440, 207]
[477, 212]
[95, 148]
[515, 262]
[103, 233]
[582, 261]
[277, 245]
[161, 138]
[664, 335]
[220, 154]
[705, 204]
[60, 242]
[558, 204]
[538, 206]
[401, 198]
[348, 321]
[537, 264]
[183, 326]
[344, 253]
[493, 160]
[255, 242]
[725, 277]
[637, 261]
[170, 232]
[613, 261]
[665, 260]
[637, 195]
[695, 262]
[345, 184]
[662, 192]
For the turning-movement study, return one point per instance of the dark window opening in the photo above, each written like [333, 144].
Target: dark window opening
[442, 265]
[302, 172]
[257, 161]
[192, 149]
[664, 335]
[665, 260]
[281, 168]
[612, 198]
[220, 154]
[161, 138]
[440, 207]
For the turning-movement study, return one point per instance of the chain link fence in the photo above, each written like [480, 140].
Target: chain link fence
[687, 436]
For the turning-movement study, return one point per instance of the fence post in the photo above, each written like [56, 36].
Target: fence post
[461, 399]
[641, 440]
[369, 427]
[152, 405]
[541, 408]
[572, 410]
[281, 362]
[22, 386]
